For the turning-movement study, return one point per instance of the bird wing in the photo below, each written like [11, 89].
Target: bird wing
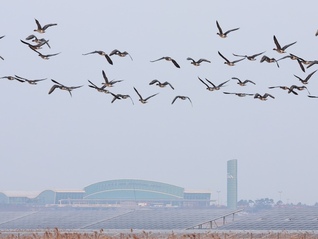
[113, 52]
[175, 63]
[57, 82]
[202, 60]
[138, 93]
[219, 28]
[231, 30]
[167, 83]
[53, 88]
[235, 78]
[30, 37]
[249, 82]
[190, 59]
[49, 55]
[49, 25]
[266, 95]
[203, 82]
[257, 54]
[175, 99]
[158, 59]
[153, 82]
[108, 59]
[301, 64]
[210, 82]
[105, 77]
[223, 57]
[38, 24]
[151, 96]
[308, 77]
[276, 42]
[238, 60]
[223, 83]
[284, 48]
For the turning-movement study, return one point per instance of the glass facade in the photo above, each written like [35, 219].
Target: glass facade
[232, 184]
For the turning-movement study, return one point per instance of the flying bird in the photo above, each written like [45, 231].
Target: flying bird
[198, 62]
[41, 29]
[46, 57]
[119, 53]
[305, 81]
[214, 87]
[269, 60]
[181, 97]
[31, 82]
[102, 53]
[242, 83]
[238, 94]
[35, 47]
[12, 78]
[284, 88]
[62, 87]
[263, 97]
[2, 36]
[144, 100]
[230, 63]
[300, 88]
[168, 58]
[37, 40]
[120, 97]
[99, 89]
[224, 34]
[280, 49]
[250, 57]
[108, 83]
[161, 85]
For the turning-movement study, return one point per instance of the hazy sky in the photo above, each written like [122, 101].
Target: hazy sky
[61, 142]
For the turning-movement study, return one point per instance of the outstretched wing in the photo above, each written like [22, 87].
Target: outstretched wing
[219, 28]
[175, 63]
[158, 59]
[53, 88]
[151, 96]
[154, 81]
[225, 33]
[138, 93]
[276, 42]
[223, 57]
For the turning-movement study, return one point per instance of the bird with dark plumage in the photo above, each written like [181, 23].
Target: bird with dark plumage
[31, 82]
[214, 87]
[181, 97]
[62, 87]
[101, 53]
[269, 60]
[144, 100]
[41, 29]
[250, 57]
[263, 97]
[305, 81]
[45, 57]
[284, 88]
[99, 89]
[35, 47]
[224, 34]
[12, 78]
[108, 83]
[161, 85]
[300, 88]
[280, 49]
[120, 97]
[168, 58]
[243, 83]
[239, 94]
[119, 53]
[198, 62]
[230, 63]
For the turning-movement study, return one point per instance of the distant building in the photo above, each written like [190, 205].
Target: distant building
[232, 184]
[121, 192]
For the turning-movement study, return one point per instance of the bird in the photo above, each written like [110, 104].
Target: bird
[41, 29]
[294, 57]
[313, 96]
[168, 58]
[198, 62]
[12, 78]
[269, 60]
[99, 89]
[120, 97]
[108, 83]
[31, 82]
[62, 87]
[119, 53]
[300, 88]
[182, 97]
[223, 34]
[239, 94]
[305, 81]
[161, 85]
[37, 40]
[35, 47]
[242, 83]
[1, 58]
[284, 88]
[311, 63]
[263, 97]
[46, 57]
[280, 49]
[102, 53]
[2, 36]
[250, 57]
[144, 100]
[230, 63]
[214, 87]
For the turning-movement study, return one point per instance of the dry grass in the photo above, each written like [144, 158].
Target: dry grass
[56, 234]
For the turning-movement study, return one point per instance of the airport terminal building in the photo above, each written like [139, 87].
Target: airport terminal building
[114, 193]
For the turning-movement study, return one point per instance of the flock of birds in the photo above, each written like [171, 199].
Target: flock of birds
[36, 44]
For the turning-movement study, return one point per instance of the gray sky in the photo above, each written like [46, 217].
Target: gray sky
[61, 142]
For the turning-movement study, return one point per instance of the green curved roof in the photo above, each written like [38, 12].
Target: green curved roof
[132, 189]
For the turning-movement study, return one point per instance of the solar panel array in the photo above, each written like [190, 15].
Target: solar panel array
[304, 218]
[158, 219]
